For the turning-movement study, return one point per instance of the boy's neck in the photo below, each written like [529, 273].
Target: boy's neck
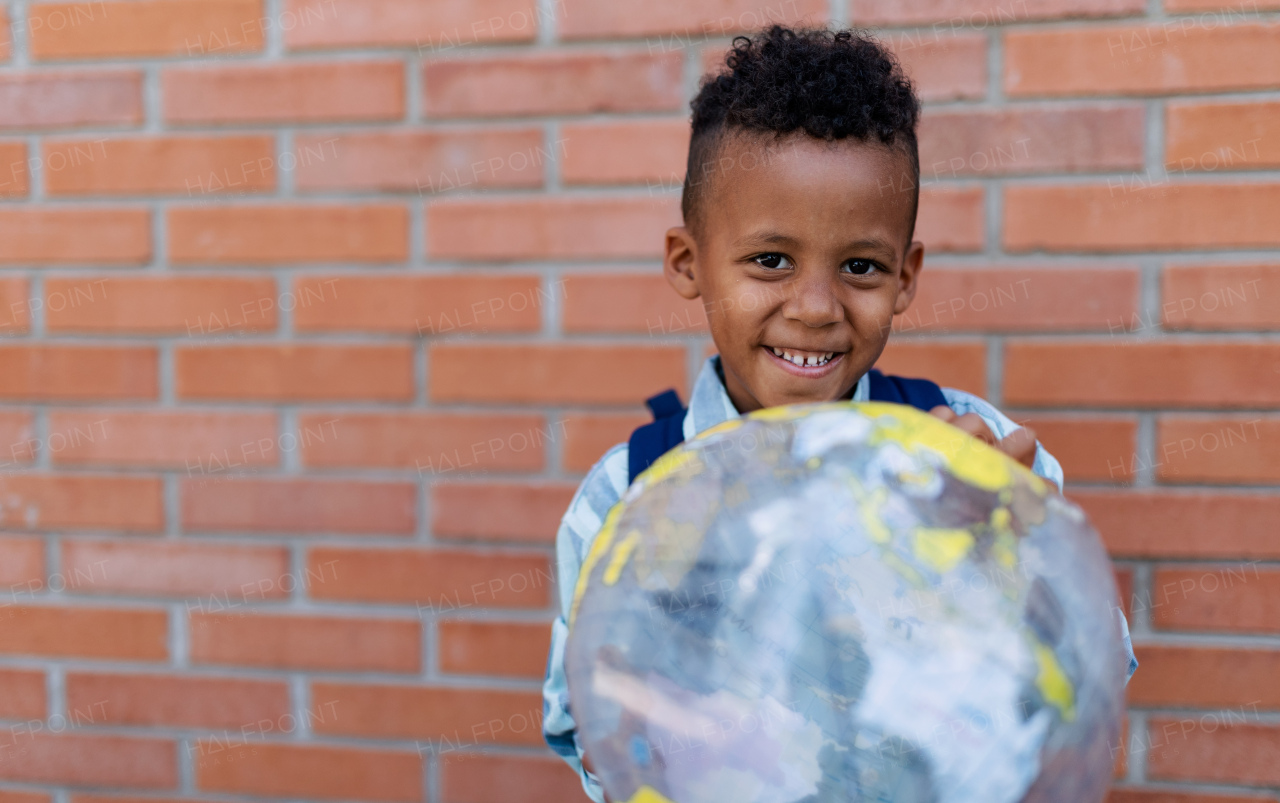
[847, 396]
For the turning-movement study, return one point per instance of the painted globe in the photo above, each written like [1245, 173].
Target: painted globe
[845, 602]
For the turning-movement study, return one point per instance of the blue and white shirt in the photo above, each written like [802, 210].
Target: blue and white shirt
[607, 481]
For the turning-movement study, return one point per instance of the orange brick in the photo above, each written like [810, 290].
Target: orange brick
[485, 716]
[197, 442]
[174, 569]
[22, 563]
[1236, 598]
[1239, 449]
[1198, 677]
[471, 303]
[435, 580]
[22, 694]
[436, 444]
[189, 166]
[1188, 525]
[288, 235]
[492, 778]
[45, 502]
[592, 304]
[494, 648]
[117, 634]
[550, 228]
[1177, 56]
[1022, 299]
[427, 25]
[18, 444]
[1170, 374]
[499, 511]
[1221, 136]
[298, 506]
[34, 100]
[1184, 6]
[15, 182]
[9, 796]
[1214, 748]
[955, 364]
[980, 14]
[104, 29]
[553, 374]
[15, 305]
[1035, 140]
[1220, 297]
[74, 759]
[950, 220]
[71, 372]
[1089, 449]
[309, 771]
[86, 798]
[714, 59]
[423, 162]
[542, 83]
[199, 702]
[944, 68]
[649, 152]
[62, 236]
[1129, 214]
[585, 19]
[1124, 589]
[306, 642]
[341, 91]
[588, 436]
[295, 373]
[186, 305]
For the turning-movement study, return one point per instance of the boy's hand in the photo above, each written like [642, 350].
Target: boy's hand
[1020, 444]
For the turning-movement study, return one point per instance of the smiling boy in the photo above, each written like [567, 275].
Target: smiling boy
[799, 240]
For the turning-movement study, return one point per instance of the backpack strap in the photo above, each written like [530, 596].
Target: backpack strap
[918, 393]
[666, 431]
[655, 439]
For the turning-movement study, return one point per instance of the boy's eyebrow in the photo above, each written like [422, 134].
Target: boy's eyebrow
[872, 245]
[776, 238]
[768, 238]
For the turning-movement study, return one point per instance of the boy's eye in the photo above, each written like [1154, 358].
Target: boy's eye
[772, 261]
[861, 267]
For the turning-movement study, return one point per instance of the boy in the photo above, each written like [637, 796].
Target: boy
[802, 258]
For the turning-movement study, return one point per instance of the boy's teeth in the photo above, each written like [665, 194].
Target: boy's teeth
[804, 362]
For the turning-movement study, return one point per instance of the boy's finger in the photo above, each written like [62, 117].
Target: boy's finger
[1021, 446]
[973, 424]
[970, 423]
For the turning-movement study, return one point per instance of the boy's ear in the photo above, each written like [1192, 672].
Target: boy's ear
[681, 262]
[909, 278]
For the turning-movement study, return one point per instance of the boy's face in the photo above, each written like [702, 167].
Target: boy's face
[803, 251]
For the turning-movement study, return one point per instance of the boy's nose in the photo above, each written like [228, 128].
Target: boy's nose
[813, 302]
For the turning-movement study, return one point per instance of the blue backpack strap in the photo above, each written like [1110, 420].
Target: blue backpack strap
[666, 432]
[653, 440]
[919, 393]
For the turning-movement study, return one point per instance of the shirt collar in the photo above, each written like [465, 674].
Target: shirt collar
[710, 404]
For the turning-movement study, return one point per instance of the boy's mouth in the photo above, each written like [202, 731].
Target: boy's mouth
[805, 363]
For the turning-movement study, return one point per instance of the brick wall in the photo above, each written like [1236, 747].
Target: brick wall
[316, 311]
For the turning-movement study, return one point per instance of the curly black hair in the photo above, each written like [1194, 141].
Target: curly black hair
[829, 84]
